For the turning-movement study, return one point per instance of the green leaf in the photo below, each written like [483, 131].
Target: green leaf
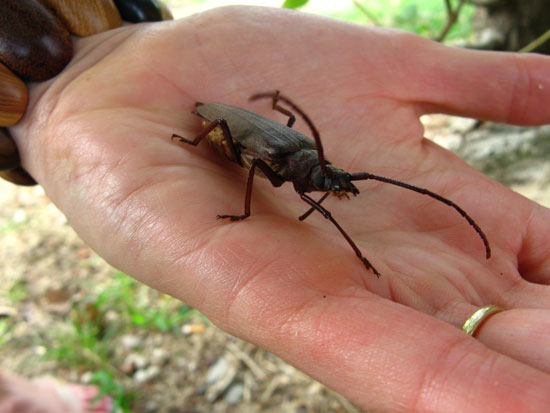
[293, 4]
[139, 319]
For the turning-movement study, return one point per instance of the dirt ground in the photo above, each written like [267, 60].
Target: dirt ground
[51, 281]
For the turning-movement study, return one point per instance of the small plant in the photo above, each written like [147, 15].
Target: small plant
[87, 341]
[437, 19]
[294, 4]
[121, 398]
[4, 329]
[143, 307]
[19, 291]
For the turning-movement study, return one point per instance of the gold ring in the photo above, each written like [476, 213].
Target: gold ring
[472, 324]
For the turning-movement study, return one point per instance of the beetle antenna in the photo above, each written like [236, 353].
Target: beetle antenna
[359, 176]
[276, 96]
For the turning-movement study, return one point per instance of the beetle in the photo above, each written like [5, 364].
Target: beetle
[279, 153]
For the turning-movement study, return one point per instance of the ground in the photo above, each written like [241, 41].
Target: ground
[64, 312]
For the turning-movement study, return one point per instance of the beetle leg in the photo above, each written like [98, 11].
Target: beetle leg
[310, 211]
[279, 108]
[328, 216]
[275, 106]
[318, 145]
[197, 104]
[275, 180]
[222, 123]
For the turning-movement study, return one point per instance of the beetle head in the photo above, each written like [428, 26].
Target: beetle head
[339, 181]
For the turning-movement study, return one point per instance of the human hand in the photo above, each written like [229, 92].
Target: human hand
[97, 137]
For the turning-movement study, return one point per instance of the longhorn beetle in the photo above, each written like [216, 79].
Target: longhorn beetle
[282, 154]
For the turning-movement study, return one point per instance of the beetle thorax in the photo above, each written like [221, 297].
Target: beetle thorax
[337, 181]
[304, 170]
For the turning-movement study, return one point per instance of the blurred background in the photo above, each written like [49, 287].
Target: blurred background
[64, 312]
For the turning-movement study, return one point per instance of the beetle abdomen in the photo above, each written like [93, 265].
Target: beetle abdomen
[219, 143]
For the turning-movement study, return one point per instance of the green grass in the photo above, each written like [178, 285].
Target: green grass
[132, 301]
[86, 342]
[18, 292]
[89, 341]
[5, 327]
[10, 226]
[108, 385]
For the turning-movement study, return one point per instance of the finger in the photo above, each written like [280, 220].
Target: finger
[526, 295]
[381, 355]
[521, 334]
[504, 87]
[387, 357]
[533, 260]
[518, 333]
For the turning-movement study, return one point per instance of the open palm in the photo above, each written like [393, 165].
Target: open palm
[97, 138]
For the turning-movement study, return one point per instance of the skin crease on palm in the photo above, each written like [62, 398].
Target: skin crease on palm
[97, 138]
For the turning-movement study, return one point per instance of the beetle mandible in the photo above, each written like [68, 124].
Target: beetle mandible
[283, 154]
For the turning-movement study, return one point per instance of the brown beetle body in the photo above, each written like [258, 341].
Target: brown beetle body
[281, 154]
[255, 137]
